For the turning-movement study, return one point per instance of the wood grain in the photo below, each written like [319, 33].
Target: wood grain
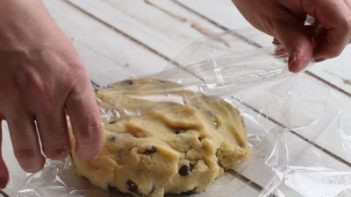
[119, 39]
[222, 13]
[109, 16]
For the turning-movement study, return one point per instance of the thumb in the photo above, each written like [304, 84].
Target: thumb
[296, 38]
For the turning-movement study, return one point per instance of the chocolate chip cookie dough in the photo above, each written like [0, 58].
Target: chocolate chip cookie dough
[164, 139]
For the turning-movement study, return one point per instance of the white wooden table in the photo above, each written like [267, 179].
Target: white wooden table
[115, 37]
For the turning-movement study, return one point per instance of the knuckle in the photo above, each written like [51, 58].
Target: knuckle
[28, 80]
[42, 89]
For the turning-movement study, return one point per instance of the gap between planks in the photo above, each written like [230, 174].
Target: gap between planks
[2, 193]
[250, 182]
[120, 32]
[131, 38]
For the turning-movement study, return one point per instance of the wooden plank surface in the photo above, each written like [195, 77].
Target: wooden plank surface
[222, 12]
[119, 39]
[155, 45]
[106, 53]
[107, 13]
[153, 27]
[109, 56]
[335, 71]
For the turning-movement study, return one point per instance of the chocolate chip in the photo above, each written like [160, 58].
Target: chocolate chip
[111, 188]
[150, 150]
[132, 187]
[128, 82]
[185, 170]
[179, 131]
[201, 138]
[190, 192]
[112, 122]
[112, 139]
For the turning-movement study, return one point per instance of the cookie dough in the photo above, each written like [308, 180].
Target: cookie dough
[163, 138]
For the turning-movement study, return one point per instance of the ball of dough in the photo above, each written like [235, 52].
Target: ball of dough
[162, 138]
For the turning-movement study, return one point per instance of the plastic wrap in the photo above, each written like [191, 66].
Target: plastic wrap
[282, 116]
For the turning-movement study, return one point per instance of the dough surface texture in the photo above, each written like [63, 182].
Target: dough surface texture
[164, 139]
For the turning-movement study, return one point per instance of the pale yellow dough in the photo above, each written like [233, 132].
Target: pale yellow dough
[164, 139]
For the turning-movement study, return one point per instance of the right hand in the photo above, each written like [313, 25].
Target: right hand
[41, 77]
[284, 20]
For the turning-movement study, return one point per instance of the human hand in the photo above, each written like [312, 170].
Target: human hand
[41, 77]
[284, 20]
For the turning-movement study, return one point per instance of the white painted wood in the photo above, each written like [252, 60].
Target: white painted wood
[221, 11]
[305, 161]
[228, 184]
[331, 134]
[335, 137]
[101, 46]
[146, 23]
[154, 44]
[326, 143]
[105, 54]
[335, 71]
[108, 55]
[313, 110]
[299, 155]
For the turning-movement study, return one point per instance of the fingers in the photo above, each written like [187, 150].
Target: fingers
[84, 115]
[54, 133]
[4, 174]
[25, 142]
[296, 39]
[335, 18]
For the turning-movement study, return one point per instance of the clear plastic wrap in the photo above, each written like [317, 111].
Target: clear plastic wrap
[282, 115]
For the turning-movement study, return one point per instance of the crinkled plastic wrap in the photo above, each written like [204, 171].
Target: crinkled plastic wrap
[282, 115]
